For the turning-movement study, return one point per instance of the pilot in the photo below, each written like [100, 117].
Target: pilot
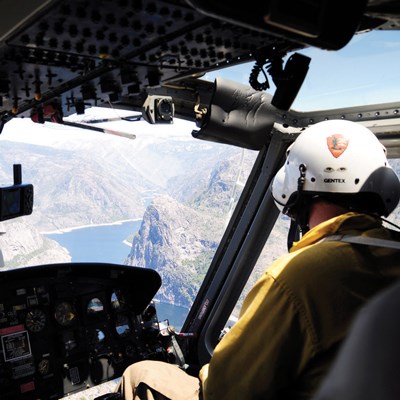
[336, 185]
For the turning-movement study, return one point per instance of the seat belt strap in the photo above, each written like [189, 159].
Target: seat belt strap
[368, 241]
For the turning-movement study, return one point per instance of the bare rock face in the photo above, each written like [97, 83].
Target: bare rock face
[22, 245]
[173, 239]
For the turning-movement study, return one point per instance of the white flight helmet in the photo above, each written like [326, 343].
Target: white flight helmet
[339, 160]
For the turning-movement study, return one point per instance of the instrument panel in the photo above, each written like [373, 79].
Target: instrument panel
[67, 327]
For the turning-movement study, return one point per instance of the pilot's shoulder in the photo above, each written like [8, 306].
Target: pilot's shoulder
[317, 261]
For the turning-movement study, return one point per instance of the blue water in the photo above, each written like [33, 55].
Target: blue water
[98, 243]
[105, 244]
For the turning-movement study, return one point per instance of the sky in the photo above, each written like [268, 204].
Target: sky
[365, 71]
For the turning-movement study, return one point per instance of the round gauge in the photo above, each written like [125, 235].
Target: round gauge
[64, 313]
[98, 337]
[122, 325]
[44, 366]
[35, 320]
[117, 300]
[95, 306]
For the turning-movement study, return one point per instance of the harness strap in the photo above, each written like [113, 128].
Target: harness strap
[368, 241]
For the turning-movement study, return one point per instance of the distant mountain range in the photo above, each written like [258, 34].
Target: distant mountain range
[90, 179]
[74, 189]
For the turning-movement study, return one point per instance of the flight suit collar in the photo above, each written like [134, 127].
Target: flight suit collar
[345, 222]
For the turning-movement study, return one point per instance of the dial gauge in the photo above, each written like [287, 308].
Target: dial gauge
[44, 366]
[64, 313]
[35, 320]
[117, 300]
[97, 337]
[122, 325]
[95, 306]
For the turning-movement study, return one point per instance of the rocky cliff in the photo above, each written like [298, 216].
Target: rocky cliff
[22, 245]
[180, 233]
[178, 242]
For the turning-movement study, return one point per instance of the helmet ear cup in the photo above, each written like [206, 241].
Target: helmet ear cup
[385, 184]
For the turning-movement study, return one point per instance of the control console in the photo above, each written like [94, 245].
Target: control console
[67, 327]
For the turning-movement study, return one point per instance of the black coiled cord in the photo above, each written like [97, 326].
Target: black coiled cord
[253, 79]
[273, 67]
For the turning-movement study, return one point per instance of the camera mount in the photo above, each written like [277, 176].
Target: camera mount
[158, 109]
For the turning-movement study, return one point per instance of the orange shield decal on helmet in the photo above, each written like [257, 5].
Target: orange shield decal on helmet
[337, 144]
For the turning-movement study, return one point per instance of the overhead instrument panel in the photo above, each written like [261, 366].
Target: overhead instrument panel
[67, 327]
[60, 56]
[90, 52]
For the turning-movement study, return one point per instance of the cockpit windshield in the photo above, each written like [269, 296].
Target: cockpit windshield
[156, 197]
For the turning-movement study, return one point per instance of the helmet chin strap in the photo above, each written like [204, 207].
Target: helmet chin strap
[294, 234]
[298, 224]
[302, 177]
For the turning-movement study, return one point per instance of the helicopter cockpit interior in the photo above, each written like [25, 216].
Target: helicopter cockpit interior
[67, 327]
